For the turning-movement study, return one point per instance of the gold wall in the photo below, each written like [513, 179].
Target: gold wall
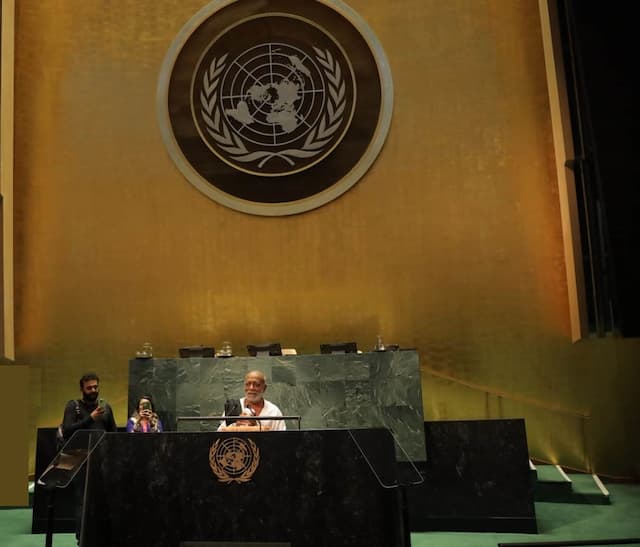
[451, 243]
[14, 390]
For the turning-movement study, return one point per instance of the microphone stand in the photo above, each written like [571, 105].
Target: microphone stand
[51, 498]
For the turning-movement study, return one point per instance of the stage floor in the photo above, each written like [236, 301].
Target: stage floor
[556, 522]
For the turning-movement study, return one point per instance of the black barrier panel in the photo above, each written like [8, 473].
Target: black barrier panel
[306, 488]
[476, 478]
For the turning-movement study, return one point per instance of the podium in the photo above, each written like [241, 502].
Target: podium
[62, 470]
[300, 488]
[65, 498]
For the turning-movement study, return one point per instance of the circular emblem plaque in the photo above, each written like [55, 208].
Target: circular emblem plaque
[274, 107]
[234, 459]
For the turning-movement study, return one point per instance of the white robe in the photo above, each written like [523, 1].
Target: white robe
[269, 409]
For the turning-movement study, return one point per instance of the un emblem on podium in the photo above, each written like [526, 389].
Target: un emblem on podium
[234, 459]
[274, 107]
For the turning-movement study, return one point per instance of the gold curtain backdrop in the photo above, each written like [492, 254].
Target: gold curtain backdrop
[451, 243]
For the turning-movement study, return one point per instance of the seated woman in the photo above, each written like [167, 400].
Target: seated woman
[144, 419]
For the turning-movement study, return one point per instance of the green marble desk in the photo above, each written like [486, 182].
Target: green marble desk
[377, 389]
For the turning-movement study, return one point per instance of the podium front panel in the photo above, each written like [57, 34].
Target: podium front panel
[306, 488]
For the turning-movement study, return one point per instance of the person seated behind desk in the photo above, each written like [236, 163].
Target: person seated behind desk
[144, 419]
[254, 404]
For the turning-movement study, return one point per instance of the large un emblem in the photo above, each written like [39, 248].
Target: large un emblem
[234, 459]
[274, 107]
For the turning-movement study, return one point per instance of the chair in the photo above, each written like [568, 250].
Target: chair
[197, 351]
[264, 349]
[342, 347]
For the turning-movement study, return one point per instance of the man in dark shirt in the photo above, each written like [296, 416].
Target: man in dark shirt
[90, 412]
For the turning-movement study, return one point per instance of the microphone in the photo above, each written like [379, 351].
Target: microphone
[251, 413]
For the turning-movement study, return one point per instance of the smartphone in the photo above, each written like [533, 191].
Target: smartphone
[146, 405]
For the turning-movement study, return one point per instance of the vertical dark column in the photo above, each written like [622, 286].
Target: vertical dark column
[598, 43]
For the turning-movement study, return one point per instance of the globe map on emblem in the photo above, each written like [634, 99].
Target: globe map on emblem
[233, 456]
[272, 93]
[274, 108]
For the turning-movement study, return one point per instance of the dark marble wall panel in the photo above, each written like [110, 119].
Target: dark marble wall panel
[377, 389]
[477, 478]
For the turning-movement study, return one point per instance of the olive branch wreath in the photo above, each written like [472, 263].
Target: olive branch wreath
[221, 473]
[317, 138]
